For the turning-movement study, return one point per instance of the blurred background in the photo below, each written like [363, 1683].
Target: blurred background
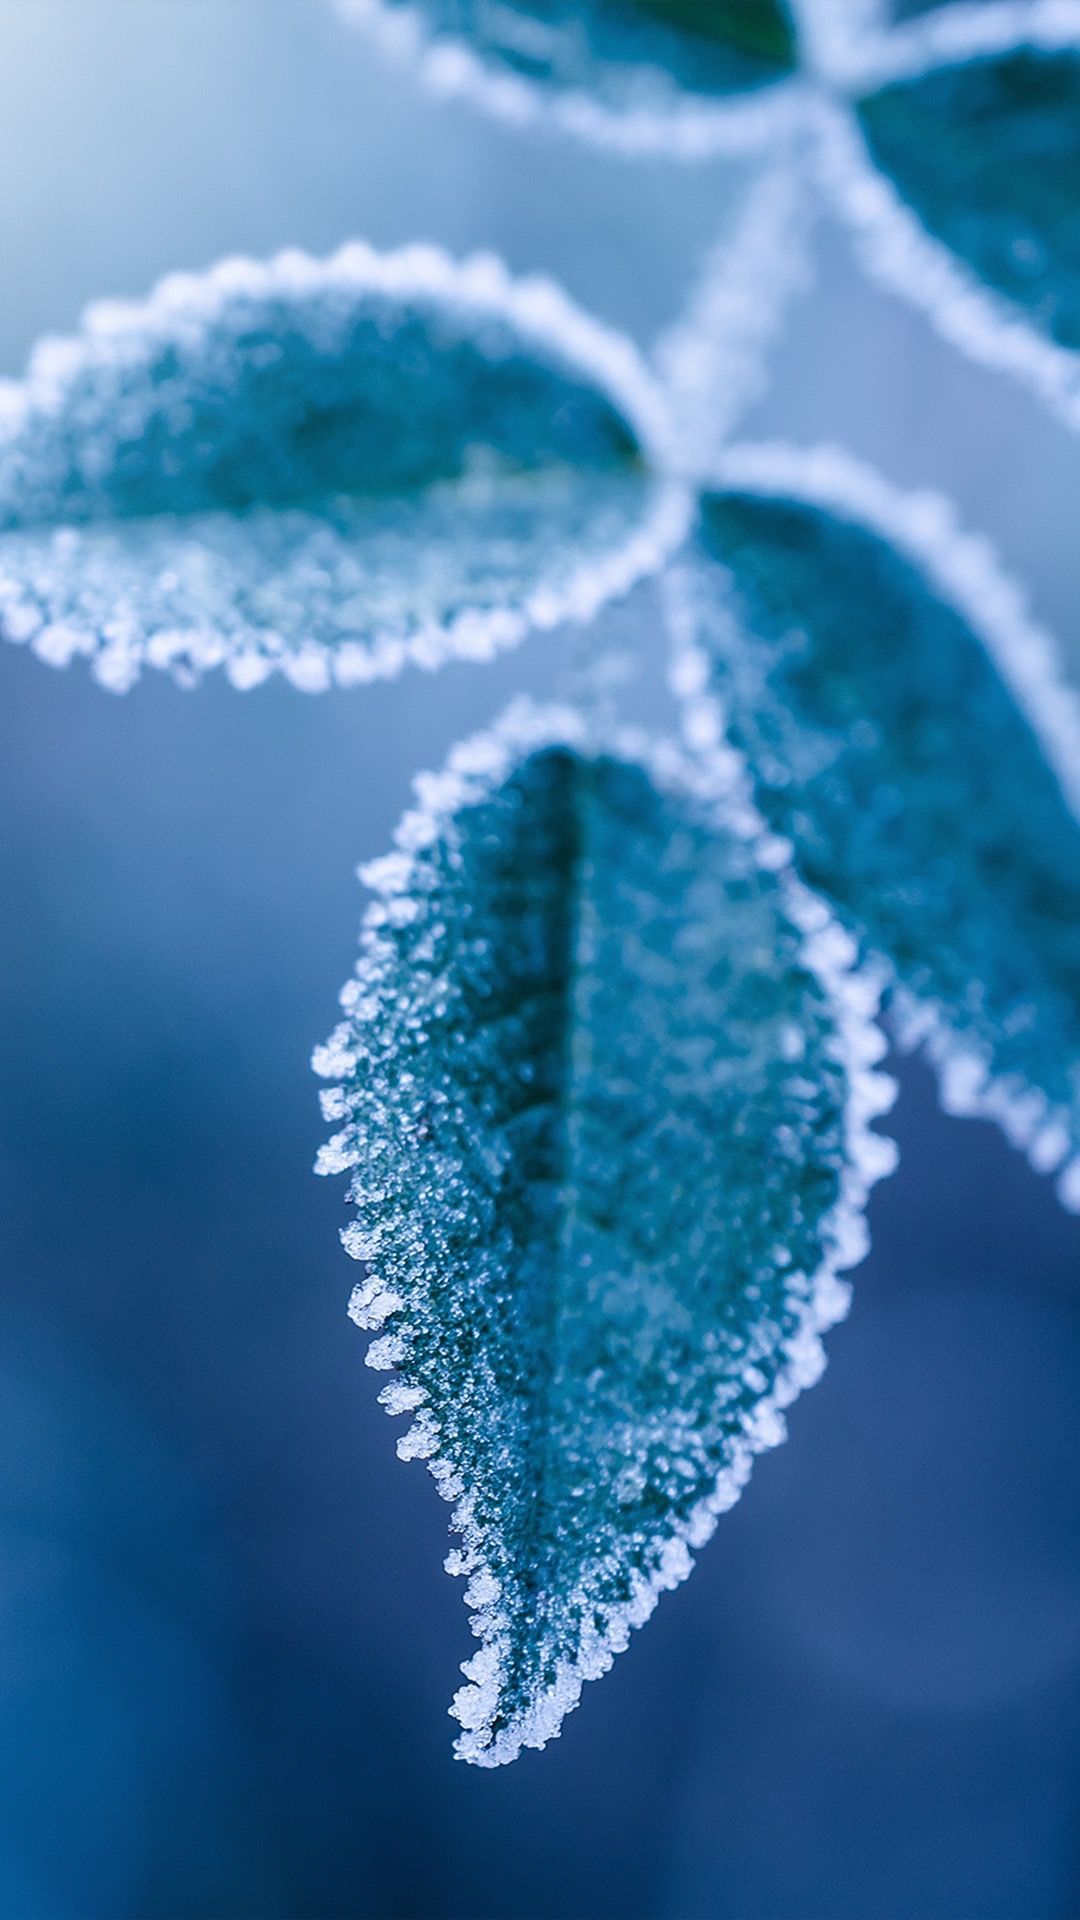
[226, 1641]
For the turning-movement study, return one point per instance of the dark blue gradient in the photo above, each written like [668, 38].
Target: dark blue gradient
[226, 1641]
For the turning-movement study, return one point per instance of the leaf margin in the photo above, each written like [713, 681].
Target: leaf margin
[474, 769]
[688, 127]
[534, 307]
[712, 360]
[891, 243]
[963, 569]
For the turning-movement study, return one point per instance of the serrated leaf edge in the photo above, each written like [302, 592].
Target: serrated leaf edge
[963, 570]
[842, 55]
[538, 310]
[474, 769]
[712, 362]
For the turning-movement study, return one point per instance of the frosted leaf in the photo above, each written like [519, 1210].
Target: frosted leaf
[325, 468]
[690, 76]
[958, 169]
[911, 742]
[608, 1193]
[988, 154]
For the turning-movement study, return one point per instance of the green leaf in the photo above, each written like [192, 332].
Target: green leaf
[908, 737]
[756, 29]
[325, 468]
[603, 1084]
[634, 69]
[987, 153]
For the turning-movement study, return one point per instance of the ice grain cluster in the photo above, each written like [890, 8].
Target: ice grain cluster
[908, 738]
[325, 468]
[603, 1082]
[946, 135]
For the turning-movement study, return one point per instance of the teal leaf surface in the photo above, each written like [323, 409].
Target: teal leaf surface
[325, 468]
[603, 1085]
[630, 67]
[909, 738]
[987, 153]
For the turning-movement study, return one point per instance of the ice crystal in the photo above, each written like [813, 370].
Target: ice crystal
[908, 739]
[987, 152]
[324, 467]
[603, 1079]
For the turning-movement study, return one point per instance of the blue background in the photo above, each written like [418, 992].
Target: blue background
[226, 1641]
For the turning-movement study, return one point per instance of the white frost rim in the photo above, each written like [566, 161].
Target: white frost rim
[713, 779]
[895, 248]
[848, 47]
[832, 33]
[857, 49]
[964, 571]
[687, 128]
[481, 286]
[712, 362]
[473, 636]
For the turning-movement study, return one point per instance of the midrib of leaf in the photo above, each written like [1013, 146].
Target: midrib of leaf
[574, 1049]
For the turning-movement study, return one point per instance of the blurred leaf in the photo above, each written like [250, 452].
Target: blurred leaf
[761, 28]
[325, 468]
[891, 749]
[627, 55]
[987, 152]
[606, 1102]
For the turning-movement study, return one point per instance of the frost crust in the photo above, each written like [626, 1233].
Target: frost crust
[655, 1433]
[1003, 1034]
[327, 468]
